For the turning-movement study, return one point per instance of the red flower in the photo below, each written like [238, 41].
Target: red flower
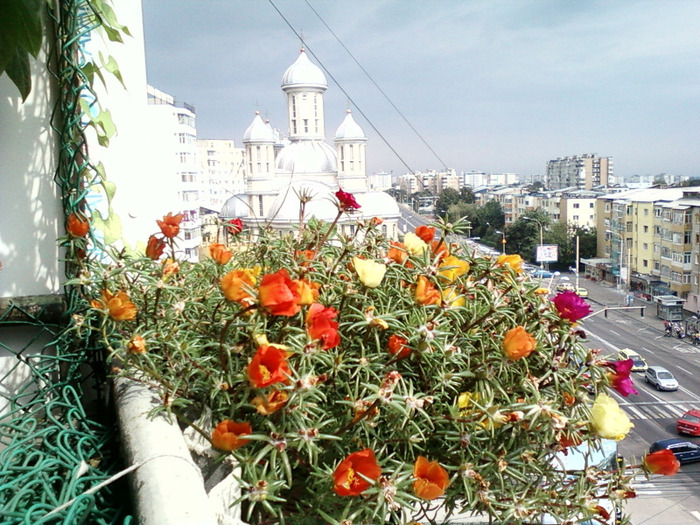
[278, 294]
[321, 326]
[346, 201]
[170, 225]
[268, 366]
[234, 226]
[220, 253]
[155, 247]
[662, 462]
[620, 377]
[571, 306]
[77, 226]
[348, 478]
[431, 479]
[226, 435]
[398, 346]
[427, 233]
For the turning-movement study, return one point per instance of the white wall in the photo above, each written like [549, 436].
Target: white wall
[30, 211]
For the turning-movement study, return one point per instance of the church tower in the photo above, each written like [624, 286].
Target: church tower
[350, 143]
[304, 84]
[259, 141]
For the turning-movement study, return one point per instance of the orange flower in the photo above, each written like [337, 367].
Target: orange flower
[227, 435]
[426, 293]
[268, 366]
[119, 306]
[427, 233]
[431, 479]
[305, 256]
[518, 343]
[278, 294]
[220, 253]
[662, 462]
[397, 252]
[170, 225]
[137, 345]
[347, 480]
[266, 405]
[321, 325]
[170, 268]
[398, 346]
[236, 285]
[77, 226]
[308, 291]
[155, 247]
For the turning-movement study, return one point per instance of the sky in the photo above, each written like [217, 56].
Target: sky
[485, 85]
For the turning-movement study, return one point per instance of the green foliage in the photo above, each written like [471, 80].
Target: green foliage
[20, 36]
[493, 422]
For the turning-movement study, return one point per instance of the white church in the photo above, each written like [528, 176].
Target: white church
[279, 172]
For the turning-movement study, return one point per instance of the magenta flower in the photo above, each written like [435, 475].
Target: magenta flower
[570, 306]
[620, 377]
[347, 201]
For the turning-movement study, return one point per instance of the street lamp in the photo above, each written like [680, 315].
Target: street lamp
[503, 241]
[620, 281]
[541, 234]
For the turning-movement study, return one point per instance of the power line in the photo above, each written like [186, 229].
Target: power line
[378, 87]
[341, 88]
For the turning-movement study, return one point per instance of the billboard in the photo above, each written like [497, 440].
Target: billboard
[547, 253]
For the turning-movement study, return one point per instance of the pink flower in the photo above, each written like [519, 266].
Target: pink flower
[620, 377]
[570, 306]
[346, 201]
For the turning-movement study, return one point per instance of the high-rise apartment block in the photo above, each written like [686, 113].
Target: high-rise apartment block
[222, 165]
[579, 171]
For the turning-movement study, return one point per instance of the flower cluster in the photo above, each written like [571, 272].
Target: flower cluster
[367, 380]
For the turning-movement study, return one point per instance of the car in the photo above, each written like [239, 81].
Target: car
[685, 451]
[638, 362]
[581, 292]
[542, 274]
[689, 423]
[565, 287]
[660, 378]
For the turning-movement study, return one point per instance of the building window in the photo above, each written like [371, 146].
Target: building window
[645, 263]
[646, 229]
[306, 125]
[576, 205]
[687, 257]
[294, 106]
[260, 205]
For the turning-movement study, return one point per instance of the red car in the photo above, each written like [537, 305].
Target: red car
[689, 423]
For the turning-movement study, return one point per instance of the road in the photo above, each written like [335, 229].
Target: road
[661, 500]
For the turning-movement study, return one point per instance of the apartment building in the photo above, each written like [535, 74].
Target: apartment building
[577, 208]
[580, 171]
[222, 166]
[432, 180]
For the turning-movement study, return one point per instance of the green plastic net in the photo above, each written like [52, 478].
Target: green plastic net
[59, 460]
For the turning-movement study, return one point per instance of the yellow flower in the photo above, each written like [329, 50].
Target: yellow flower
[542, 291]
[414, 244]
[466, 399]
[453, 267]
[608, 420]
[514, 261]
[452, 298]
[370, 273]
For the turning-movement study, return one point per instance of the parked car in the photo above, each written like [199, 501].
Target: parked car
[689, 423]
[638, 362]
[661, 378]
[581, 292]
[685, 451]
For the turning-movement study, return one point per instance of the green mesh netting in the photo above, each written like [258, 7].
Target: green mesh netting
[58, 458]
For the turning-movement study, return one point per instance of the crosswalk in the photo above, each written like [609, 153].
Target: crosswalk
[655, 410]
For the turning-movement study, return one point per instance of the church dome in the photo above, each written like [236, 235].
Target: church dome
[349, 129]
[307, 156]
[259, 131]
[303, 73]
[235, 207]
[285, 208]
[377, 204]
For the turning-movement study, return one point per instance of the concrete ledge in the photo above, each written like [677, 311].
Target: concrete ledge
[167, 486]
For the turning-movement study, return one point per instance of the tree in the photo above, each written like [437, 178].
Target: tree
[447, 198]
